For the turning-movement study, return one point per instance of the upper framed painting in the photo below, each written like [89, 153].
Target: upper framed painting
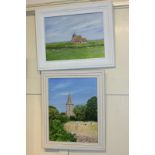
[73, 110]
[75, 36]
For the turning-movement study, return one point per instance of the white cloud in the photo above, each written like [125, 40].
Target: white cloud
[64, 93]
[73, 92]
[60, 86]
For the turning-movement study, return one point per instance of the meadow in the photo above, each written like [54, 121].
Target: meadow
[69, 50]
[84, 131]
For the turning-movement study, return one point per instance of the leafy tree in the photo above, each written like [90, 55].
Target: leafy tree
[53, 112]
[91, 109]
[79, 112]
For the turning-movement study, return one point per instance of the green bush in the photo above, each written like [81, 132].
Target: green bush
[62, 118]
[72, 118]
[56, 126]
[57, 132]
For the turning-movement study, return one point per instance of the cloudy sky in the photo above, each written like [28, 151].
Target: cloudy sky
[61, 28]
[81, 90]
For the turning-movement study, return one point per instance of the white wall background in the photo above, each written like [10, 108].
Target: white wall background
[116, 94]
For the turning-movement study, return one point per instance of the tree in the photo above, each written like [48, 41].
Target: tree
[53, 112]
[91, 109]
[79, 112]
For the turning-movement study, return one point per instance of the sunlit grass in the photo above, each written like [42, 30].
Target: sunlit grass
[68, 50]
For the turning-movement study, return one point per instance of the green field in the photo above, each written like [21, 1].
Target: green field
[69, 50]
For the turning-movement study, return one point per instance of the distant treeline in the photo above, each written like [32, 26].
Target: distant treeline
[87, 112]
[59, 45]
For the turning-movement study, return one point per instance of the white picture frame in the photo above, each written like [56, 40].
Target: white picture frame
[81, 10]
[64, 145]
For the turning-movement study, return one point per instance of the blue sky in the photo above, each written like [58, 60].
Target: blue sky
[61, 28]
[81, 90]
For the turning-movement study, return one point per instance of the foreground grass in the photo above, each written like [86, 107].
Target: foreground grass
[68, 50]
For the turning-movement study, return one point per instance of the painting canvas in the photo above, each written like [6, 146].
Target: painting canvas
[75, 36]
[72, 104]
[73, 110]
[79, 36]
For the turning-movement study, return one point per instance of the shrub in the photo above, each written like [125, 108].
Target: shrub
[62, 118]
[72, 118]
[57, 132]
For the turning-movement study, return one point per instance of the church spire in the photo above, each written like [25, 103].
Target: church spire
[69, 106]
[69, 100]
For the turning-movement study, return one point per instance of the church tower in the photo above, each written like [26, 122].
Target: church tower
[69, 106]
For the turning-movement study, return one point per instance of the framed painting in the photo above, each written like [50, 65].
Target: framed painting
[73, 110]
[75, 36]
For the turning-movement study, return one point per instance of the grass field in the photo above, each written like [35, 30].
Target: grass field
[69, 50]
[84, 131]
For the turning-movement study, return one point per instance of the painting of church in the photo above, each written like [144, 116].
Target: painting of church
[78, 36]
[73, 109]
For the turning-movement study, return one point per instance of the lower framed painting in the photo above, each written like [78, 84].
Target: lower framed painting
[73, 110]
